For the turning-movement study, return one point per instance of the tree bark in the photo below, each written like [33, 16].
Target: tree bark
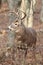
[10, 41]
[12, 4]
[28, 7]
[0, 3]
[41, 13]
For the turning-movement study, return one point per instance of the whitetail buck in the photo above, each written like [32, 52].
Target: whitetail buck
[25, 37]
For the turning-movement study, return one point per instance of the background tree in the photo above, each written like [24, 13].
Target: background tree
[0, 3]
[13, 5]
[28, 7]
[41, 13]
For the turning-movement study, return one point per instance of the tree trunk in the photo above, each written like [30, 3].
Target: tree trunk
[28, 6]
[3, 1]
[12, 4]
[41, 13]
[0, 3]
[11, 19]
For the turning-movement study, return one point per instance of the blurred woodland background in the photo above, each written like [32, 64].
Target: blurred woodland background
[34, 19]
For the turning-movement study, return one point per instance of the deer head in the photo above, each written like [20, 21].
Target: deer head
[17, 24]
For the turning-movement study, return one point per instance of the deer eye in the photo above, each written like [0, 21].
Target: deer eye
[16, 23]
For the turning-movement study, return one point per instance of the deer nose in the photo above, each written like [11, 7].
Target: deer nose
[10, 28]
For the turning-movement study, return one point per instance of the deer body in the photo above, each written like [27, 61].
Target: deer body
[27, 36]
[23, 36]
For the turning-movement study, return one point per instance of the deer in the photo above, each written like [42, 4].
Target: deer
[24, 37]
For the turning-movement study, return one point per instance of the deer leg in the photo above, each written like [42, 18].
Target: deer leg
[34, 53]
[26, 51]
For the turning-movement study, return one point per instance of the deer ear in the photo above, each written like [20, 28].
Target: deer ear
[20, 11]
[24, 15]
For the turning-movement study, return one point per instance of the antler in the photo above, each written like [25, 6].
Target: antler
[13, 11]
[17, 13]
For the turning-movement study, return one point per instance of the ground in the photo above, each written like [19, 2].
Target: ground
[38, 26]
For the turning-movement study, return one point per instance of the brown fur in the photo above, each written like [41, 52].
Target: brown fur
[24, 37]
